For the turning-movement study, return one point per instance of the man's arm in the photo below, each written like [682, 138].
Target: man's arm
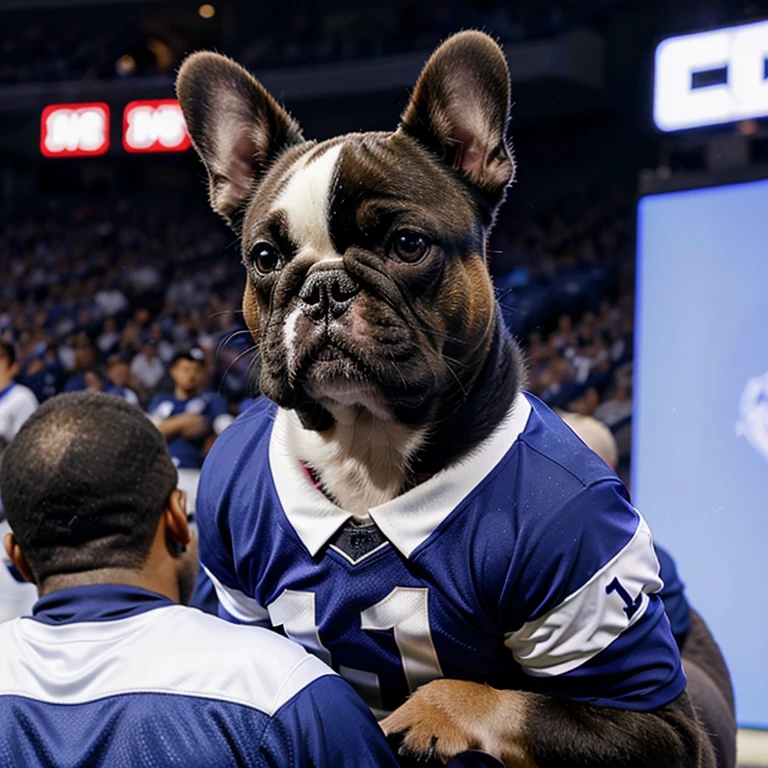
[190, 426]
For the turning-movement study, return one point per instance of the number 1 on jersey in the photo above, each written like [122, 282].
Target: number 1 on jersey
[405, 610]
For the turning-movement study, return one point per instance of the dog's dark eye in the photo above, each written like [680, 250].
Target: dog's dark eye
[409, 246]
[266, 257]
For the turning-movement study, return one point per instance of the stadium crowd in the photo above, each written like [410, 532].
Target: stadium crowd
[105, 295]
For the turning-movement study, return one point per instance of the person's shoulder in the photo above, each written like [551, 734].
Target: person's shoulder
[24, 395]
[242, 664]
[8, 630]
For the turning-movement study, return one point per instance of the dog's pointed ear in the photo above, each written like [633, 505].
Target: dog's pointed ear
[235, 125]
[460, 110]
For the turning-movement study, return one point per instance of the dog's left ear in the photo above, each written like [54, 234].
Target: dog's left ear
[460, 110]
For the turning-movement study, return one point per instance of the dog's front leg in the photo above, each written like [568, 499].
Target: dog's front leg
[447, 717]
[526, 730]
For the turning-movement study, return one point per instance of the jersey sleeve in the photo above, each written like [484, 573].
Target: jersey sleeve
[592, 626]
[215, 550]
[325, 725]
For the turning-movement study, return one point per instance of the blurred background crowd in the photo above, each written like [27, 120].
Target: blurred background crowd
[101, 294]
[266, 35]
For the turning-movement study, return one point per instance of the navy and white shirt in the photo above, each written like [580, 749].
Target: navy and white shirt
[115, 676]
[523, 566]
[188, 454]
[127, 394]
[17, 404]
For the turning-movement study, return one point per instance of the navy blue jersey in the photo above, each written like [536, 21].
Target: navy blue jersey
[115, 676]
[523, 566]
[188, 454]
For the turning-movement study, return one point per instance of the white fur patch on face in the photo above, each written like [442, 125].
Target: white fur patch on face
[289, 333]
[305, 203]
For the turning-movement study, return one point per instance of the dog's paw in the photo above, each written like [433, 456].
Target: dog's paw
[427, 732]
[447, 717]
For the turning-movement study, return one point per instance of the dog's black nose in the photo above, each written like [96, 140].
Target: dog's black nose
[327, 293]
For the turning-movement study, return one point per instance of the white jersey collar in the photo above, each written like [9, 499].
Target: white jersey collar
[408, 520]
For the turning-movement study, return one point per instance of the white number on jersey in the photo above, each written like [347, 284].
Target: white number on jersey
[404, 610]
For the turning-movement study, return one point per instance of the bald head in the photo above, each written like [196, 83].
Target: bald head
[596, 436]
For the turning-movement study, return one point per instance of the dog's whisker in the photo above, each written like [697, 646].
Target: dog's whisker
[233, 363]
[223, 343]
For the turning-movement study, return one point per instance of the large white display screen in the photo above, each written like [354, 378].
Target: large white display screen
[700, 453]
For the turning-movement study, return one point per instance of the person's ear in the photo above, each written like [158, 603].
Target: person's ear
[176, 522]
[16, 556]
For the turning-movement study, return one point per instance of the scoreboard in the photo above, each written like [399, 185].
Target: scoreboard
[83, 129]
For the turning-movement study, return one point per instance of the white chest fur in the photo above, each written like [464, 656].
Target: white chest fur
[362, 461]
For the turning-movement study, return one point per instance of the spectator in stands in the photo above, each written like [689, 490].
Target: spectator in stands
[110, 299]
[42, 371]
[109, 338]
[109, 670]
[97, 381]
[563, 338]
[119, 378]
[17, 402]
[189, 418]
[165, 349]
[585, 402]
[618, 407]
[594, 435]
[84, 359]
[147, 366]
[94, 380]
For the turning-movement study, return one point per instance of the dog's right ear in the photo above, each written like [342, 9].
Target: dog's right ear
[460, 110]
[236, 127]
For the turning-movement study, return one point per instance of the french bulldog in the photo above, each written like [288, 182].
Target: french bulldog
[398, 415]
